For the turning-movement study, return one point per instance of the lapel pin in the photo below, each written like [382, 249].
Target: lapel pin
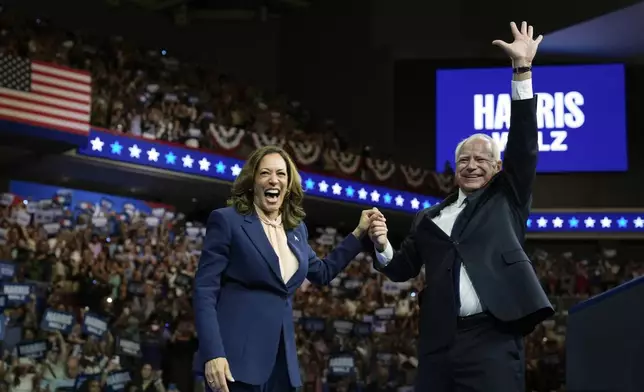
[296, 239]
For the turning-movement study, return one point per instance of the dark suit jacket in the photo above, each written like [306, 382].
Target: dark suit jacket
[241, 303]
[488, 238]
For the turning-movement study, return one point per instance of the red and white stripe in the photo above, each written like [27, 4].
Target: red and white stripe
[60, 98]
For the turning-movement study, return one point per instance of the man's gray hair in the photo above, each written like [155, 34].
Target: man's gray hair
[496, 151]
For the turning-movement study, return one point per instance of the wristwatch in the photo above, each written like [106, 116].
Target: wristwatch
[521, 70]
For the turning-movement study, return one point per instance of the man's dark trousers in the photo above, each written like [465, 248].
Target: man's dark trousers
[484, 356]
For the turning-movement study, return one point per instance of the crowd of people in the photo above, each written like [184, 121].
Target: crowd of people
[100, 299]
[150, 94]
[91, 302]
[109, 306]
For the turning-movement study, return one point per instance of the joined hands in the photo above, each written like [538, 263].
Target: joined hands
[378, 231]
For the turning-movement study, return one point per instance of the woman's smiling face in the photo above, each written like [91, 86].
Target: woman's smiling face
[271, 184]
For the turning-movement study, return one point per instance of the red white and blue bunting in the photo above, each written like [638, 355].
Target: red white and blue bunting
[307, 153]
[227, 138]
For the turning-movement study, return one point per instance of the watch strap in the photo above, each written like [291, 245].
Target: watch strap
[521, 70]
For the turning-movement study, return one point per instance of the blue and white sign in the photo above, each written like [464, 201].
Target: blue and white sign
[83, 378]
[116, 381]
[54, 320]
[94, 325]
[594, 222]
[341, 364]
[17, 293]
[198, 162]
[35, 349]
[313, 324]
[342, 327]
[362, 329]
[78, 201]
[128, 347]
[581, 114]
[7, 270]
[385, 313]
[165, 156]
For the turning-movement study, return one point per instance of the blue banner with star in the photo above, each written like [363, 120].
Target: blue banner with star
[588, 222]
[197, 162]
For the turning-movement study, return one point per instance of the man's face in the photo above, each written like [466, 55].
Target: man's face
[475, 165]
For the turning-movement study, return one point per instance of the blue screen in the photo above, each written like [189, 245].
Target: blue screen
[581, 114]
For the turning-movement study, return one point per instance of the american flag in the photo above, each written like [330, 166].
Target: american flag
[43, 94]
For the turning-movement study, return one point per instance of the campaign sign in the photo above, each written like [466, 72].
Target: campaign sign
[35, 349]
[343, 327]
[83, 378]
[128, 347]
[313, 324]
[75, 198]
[362, 329]
[385, 313]
[94, 325]
[116, 381]
[7, 270]
[17, 293]
[341, 364]
[54, 320]
[581, 114]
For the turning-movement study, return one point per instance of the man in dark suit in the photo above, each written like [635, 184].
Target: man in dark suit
[482, 294]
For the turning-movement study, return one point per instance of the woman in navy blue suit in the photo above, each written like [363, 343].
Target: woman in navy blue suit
[255, 256]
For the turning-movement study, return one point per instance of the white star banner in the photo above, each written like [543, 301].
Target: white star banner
[192, 161]
[180, 159]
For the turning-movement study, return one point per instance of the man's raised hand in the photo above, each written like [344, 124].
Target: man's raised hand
[524, 47]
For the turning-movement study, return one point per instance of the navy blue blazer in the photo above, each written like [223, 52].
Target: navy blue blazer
[241, 303]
